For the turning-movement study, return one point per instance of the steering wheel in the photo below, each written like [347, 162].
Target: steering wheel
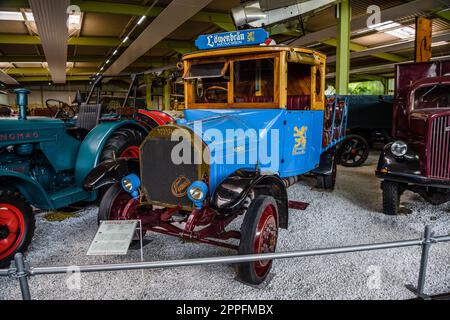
[214, 88]
[60, 109]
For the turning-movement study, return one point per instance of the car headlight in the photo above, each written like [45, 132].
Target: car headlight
[197, 193]
[399, 148]
[131, 183]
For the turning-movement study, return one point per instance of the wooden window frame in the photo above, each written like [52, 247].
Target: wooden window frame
[279, 83]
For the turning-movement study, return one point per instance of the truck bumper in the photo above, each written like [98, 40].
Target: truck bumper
[413, 179]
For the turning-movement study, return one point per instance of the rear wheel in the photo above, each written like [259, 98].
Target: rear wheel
[259, 234]
[354, 151]
[327, 182]
[391, 197]
[124, 143]
[17, 224]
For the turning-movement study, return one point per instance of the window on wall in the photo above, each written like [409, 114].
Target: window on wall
[254, 80]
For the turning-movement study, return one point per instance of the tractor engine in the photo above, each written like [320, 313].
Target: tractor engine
[28, 160]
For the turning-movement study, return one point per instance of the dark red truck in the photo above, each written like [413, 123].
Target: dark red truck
[419, 158]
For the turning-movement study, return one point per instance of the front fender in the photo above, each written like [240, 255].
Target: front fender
[92, 146]
[230, 195]
[408, 164]
[29, 188]
[110, 172]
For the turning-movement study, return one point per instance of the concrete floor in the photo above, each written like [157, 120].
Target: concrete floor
[349, 215]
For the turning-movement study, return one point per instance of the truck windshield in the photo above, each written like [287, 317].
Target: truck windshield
[432, 97]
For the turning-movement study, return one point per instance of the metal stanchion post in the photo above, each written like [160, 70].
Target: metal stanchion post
[22, 275]
[426, 246]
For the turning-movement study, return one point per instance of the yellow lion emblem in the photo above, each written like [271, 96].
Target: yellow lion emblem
[300, 140]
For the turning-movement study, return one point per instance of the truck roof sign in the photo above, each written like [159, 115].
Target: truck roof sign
[232, 39]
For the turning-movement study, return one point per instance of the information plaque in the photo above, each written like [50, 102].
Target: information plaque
[113, 238]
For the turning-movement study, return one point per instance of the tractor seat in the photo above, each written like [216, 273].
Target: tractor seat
[88, 118]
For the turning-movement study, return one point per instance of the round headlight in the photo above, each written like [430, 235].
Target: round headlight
[127, 185]
[399, 148]
[196, 193]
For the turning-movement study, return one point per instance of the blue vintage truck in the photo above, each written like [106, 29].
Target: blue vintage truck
[44, 161]
[256, 118]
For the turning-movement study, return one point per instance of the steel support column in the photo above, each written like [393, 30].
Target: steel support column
[343, 47]
[166, 97]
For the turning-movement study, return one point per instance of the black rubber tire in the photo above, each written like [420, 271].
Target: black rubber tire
[17, 200]
[327, 182]
[245, 272]
[119, 141]
[391, 197]
[362, 148]
[105, 207]
[116, 144]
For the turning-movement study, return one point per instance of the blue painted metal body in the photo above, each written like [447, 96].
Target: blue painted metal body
[293, 139]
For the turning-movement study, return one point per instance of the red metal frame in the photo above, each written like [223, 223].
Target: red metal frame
[213, 233]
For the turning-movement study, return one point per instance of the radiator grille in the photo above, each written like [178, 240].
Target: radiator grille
[439, 155]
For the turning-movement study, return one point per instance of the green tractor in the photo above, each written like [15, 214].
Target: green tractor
[43, 161]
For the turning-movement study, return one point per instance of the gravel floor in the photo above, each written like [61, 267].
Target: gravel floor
[349, 215]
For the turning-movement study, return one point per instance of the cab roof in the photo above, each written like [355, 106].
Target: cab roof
[249, 50]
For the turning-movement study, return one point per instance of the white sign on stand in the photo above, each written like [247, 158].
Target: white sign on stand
[113, 238]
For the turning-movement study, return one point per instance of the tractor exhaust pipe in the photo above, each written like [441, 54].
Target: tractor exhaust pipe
[22, 102]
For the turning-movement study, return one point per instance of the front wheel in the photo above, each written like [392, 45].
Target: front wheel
[117, 204]
[259, 234]
[391, 197]
[17, 224]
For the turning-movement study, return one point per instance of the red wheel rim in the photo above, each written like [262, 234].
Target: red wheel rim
[266, 238]
[123, 207]
[130, 152]
[12, 224]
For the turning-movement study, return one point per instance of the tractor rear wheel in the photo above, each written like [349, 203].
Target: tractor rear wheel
[124, 143]
[259, 234]
[17, 224]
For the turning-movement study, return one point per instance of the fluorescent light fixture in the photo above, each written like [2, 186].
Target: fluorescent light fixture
[107, 61]
[402, 33]
[125, 39]
[141, 20]
[102, 68]
[439, 43]
[74, 21]
[11, 16]
[29, 16]
[115, 52]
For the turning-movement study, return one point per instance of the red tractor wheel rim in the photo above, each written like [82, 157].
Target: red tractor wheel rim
[123, 207]
[130, 152]
[266, 238]
[12, 225]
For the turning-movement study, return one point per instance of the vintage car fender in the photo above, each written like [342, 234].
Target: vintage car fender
[229, 196]
[390, 166]
[110, 172]
[92, 147]
[29, 188]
